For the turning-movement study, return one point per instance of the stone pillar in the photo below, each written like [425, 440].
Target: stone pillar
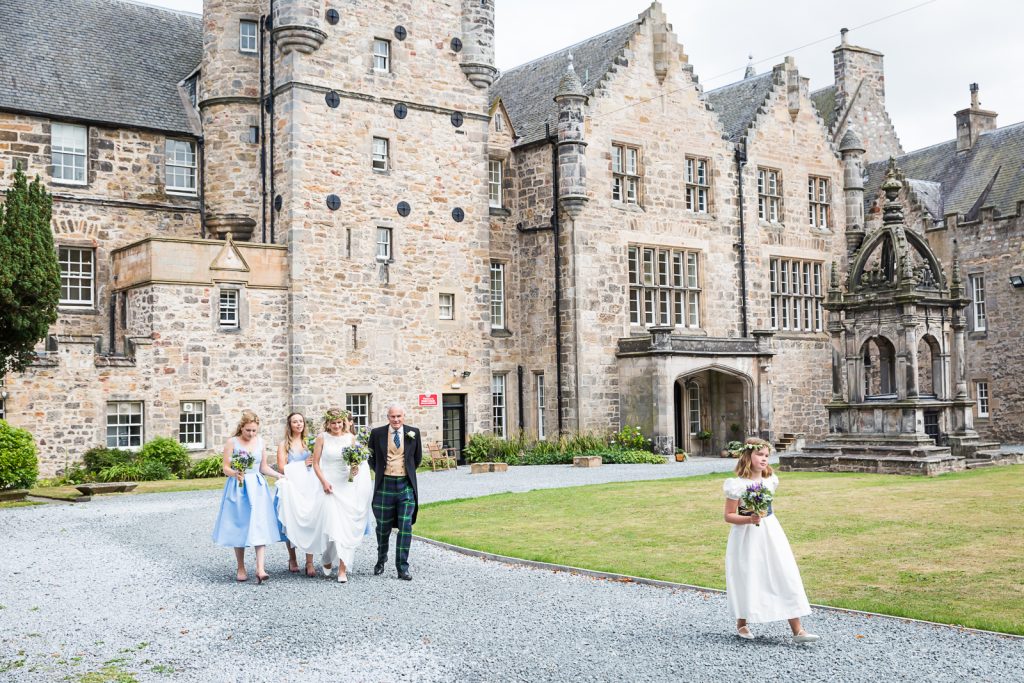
[910, 341]
[298, 25]
[478, 42]
[572, 168]
[852, 151]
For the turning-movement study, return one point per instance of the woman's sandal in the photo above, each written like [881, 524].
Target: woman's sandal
[241, 578]
[260, 578]
[310, 570]
[744, 633]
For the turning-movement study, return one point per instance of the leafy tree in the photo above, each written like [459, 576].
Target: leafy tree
[29, 274]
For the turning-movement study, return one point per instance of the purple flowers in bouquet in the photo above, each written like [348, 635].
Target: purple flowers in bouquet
[363, 436]
[757, 499]
[240, 462]
[355, 454]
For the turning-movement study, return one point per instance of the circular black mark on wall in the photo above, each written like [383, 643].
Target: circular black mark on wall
[278, 203]
[401, 110]
[333, 99]
[333, 202]
[404, 209]
[400, 32]
[456, 45]
[332, 16]
[458, 214]
[457, 119]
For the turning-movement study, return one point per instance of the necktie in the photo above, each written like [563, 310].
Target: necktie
[396, 439]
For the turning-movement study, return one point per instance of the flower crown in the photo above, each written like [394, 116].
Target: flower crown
[335, 415]
[754, 447]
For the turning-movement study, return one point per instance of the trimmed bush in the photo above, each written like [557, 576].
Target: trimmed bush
[206, 468]
[632, 457]
[168, 452]
[100, 458]
[19, 466]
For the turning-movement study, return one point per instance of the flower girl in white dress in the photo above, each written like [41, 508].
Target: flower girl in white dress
[762, 581]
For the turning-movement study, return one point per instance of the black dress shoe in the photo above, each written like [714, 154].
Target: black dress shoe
[405, 576]
[378, 569]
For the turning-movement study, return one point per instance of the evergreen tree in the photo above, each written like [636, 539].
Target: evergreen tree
[29, 274]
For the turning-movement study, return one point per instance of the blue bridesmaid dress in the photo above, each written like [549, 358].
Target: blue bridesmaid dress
[247, 516]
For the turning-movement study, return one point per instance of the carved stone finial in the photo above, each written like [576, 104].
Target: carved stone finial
[750, 72]
[570, 85]
[893, 210]
[833, 280]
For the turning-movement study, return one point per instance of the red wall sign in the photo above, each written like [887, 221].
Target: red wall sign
[428, 399]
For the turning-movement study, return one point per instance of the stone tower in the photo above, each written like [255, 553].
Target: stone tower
[860, 100]
[852, 151]
[230, 112]
[478, 42]
[572, 167]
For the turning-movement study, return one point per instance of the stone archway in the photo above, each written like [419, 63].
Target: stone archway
[712, 399]
[879, 360]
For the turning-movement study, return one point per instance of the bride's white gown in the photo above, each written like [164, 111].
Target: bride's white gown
[331, 524]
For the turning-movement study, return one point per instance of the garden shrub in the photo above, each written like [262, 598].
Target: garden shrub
[154, 470]
[126, 471]
[632, 457]
[167, 451]
[631, 438]
[100, 458]
[19, 466]
[206, 468]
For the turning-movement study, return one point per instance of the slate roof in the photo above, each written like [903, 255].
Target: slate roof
[991, 173]
[106, 61]
[528, 90]
[737, 103]
[825, 102]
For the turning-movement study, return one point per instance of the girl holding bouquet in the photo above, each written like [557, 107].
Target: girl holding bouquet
[247, 516]
[347, 490]
[761, 577]
[296, 493]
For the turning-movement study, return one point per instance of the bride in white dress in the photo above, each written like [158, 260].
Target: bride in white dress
[344, 505]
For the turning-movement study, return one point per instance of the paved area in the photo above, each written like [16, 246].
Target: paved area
[133, 586]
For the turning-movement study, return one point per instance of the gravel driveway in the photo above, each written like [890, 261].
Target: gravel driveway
[133, 585]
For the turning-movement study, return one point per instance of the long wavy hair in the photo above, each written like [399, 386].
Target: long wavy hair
[247, 417]
[744, 467]
[288, 428]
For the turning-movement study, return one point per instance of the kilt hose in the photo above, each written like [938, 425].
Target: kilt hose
[393, 505]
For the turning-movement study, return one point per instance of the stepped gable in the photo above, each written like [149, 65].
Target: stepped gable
[825, 102]
[737, 104]
[528, 91]
[988, 174]
[104, 61]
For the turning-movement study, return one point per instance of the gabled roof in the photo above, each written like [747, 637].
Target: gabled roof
[737, 103]
[825, 102]
[528, 91]
[991, 173]
[107, 61]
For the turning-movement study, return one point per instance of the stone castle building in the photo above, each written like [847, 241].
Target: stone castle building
[305, 203]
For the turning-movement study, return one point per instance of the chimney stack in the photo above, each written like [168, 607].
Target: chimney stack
[972, 122]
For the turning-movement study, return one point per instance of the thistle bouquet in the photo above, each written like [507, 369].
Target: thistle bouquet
[354, 455]
[240, 462]
[757, 500]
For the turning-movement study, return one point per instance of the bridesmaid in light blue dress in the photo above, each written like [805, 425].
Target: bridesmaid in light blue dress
[247, 516]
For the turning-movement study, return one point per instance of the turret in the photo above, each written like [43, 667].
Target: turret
[852, 151]
[478, 42]
[572, 167]
[298, 25]
[230, 115]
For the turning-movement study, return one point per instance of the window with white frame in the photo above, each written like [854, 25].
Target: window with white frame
[227, 309]
[380, 155]
[497, 295]
[664, 287]
[626, 174]
[541, 406]
[180, 165]
[68, 148]
[381, 55]
[494, 177]
[77, 276]
[697, 185]
[693, 407]
[796, 295]
[769, 195]
[446, 306]
[498, 405]
[981, 391]
[248, 36]
[384, 246]
[978, 302]
[359, 406]
[191, 424]
[819, 200]
[124, 424]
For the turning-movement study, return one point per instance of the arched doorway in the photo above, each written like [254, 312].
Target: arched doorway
[879, 356]
[929, 368]
[715, 401]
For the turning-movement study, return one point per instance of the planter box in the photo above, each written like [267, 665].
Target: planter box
[110, 487]
[482, 467]
[587, 461]
[12, 495]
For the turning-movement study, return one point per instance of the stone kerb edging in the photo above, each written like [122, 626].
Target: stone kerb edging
[657, 583]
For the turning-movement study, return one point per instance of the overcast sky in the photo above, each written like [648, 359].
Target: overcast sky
[933, 50]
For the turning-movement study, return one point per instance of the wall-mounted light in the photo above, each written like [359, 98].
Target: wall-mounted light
[1017, 281]
[466, 374]
[3, 395]
[455, 379]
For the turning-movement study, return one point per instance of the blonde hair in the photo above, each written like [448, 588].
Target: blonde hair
[336, 415]
[247, 417]
[744, 468]
[288, 428]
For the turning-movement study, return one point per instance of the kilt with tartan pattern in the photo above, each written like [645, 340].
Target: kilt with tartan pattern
[393, 506]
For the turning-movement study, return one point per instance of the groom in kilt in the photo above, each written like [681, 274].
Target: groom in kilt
[395, 453]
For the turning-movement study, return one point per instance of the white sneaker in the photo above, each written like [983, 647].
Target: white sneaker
[805, 637]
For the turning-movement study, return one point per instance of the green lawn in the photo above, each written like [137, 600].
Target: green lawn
[946, 549]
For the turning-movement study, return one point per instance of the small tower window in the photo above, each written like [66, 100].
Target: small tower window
[494, 181]
[248, 36]
[380, 155]
[384, 245]
[228, 309]
[381, 55]
[499, 122]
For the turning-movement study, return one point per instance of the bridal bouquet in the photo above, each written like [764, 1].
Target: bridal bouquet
[757, 499]
[363, 436]
[240, 462]
[355, 454]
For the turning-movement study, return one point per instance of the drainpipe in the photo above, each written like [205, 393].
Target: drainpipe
[201, 144]
[556, 223]
[741, 246]
[522, 420]
[263, 133]
[271, 96]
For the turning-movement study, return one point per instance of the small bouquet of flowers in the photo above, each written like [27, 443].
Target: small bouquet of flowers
[240, 462]
[757, 500]
[355, 454]
[363, 436]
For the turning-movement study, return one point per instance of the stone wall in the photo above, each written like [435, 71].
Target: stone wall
[860, 100]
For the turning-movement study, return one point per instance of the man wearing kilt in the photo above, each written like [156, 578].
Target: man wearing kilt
[395, 453]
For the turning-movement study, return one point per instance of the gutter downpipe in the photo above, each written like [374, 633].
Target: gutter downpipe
[272, 97]
[263, 132]
[519, 378]
[741, 246]
[556, 224]
[201, 142]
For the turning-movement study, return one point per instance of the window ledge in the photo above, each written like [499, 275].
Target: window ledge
[499, 211]
[68, 183]
[978, 334]
[65, 309]
[503, 333]
[625, 206]
[181, 193]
